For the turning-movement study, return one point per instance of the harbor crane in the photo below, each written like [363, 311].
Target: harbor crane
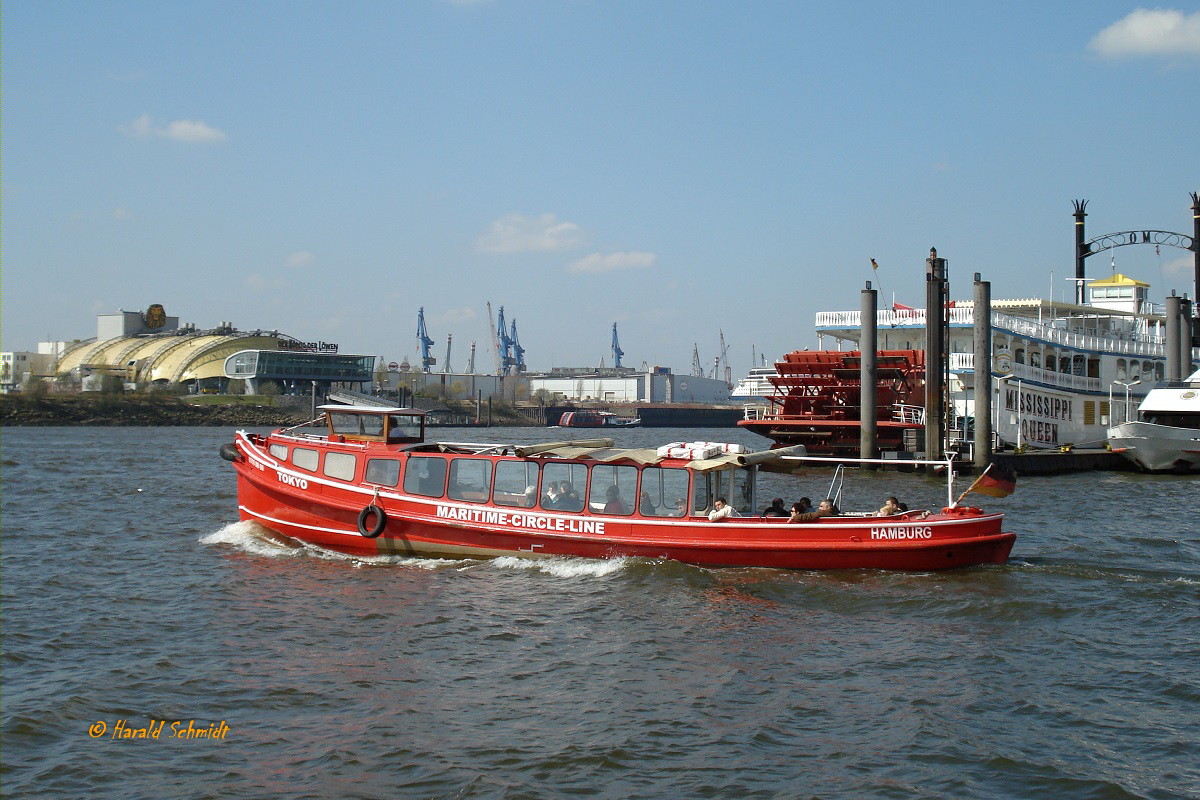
[425, 342]
[697, 369]
[518, 351]
[446, 363]
[728, 373]
[616, 349]
[495, 338]
[471, 361]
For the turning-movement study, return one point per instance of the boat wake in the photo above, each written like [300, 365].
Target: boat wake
[561, 567]
[250, 537]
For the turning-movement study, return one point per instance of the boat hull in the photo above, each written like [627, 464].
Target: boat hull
[1157, 448]
[326, 513]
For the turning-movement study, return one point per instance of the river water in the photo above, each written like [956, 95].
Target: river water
[132, 598]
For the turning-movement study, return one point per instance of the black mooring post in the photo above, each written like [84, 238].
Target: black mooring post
[1196, 264]
[868, 416]
[936, 295]
[1080, 251]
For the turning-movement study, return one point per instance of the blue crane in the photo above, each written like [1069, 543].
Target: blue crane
[503, 344]
[423, 339]
[518, 351]
[616, 349]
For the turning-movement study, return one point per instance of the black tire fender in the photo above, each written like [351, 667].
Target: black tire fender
[229, 452]
[380, 521]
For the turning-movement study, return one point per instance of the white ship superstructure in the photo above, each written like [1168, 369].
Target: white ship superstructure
[1063, 372]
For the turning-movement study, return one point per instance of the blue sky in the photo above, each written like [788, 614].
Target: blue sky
[680, 168]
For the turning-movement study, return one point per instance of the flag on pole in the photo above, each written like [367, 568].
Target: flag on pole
[994, 482]
[874, 266]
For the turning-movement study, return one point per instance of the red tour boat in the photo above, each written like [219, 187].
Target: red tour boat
[368, 483]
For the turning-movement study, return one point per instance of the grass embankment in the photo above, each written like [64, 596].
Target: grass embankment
[118, 409]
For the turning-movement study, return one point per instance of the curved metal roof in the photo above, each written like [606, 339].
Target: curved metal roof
[174, 357]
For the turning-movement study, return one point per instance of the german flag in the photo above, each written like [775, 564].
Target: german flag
[994, 482]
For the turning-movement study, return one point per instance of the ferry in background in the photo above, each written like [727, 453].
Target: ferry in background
[1056, 366]
[596, 419]
[756, 387]
[1166, 434]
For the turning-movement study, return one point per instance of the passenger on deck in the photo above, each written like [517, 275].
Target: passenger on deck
[721, 511]
[646, 506]
[826, 509]
[776, 509]
[890, 507]
[614, 504]
[805, 505]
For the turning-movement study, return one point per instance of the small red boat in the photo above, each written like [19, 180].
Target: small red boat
[596, 419]
[368, 483]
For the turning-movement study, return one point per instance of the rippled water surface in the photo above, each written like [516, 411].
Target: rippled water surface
[132, 596]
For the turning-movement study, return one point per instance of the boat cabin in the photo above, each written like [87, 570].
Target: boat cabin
[385, 448]
[374, 424]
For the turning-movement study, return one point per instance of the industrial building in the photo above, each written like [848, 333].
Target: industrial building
[626, 385]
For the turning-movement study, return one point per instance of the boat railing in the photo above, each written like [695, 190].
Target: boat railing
[945, 464]
[908, 414]
[754, 411]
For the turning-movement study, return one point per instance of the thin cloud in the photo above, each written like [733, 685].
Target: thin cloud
[1178, 268]
[299, 260]
[181, 130]
[612, 262]
[517, 233]
[453, 315]
[1150, 32]
[123, 214]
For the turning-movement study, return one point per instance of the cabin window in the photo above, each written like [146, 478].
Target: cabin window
[340, 466]
[383, 471]
[1121, 373]
[404, 428]
[425, 475]
[470, 479]
[356, 424]
[1019, 355]
[516, 484]
[569, 482]
[664, 492]
[1064, 365]
[612, 490]
[304, 458]
[279, 451]
[1135, 370]
[1035, 358]
[1158, 371]
[1079, 365]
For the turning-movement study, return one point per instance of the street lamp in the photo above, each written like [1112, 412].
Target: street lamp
[1133, 382]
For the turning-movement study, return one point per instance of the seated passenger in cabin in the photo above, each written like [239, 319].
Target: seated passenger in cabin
[826, 509]
[722, 511]
[568, 498]
[680, 508]
[530, 497]
[776, 509]
[614, 504]
[890, 507]
[646, 506]
[552, 495]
